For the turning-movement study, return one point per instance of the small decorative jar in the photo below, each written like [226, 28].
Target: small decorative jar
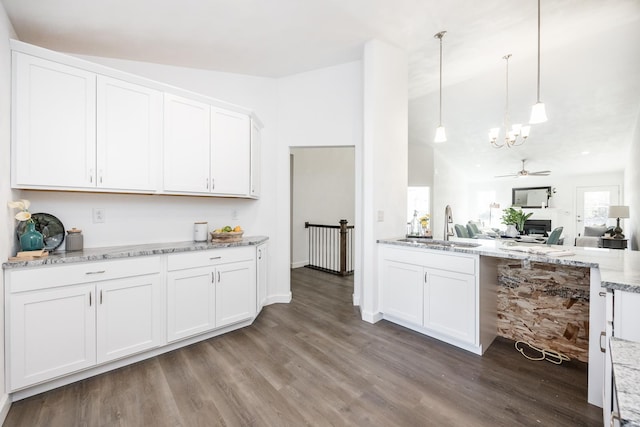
[74, 240]
[200, 231]
[31, 239]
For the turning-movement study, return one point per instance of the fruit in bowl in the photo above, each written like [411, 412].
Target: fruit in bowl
[227, 234]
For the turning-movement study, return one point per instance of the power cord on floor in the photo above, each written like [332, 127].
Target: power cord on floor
[545, 354]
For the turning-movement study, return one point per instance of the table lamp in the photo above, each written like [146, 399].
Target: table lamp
[618, 212]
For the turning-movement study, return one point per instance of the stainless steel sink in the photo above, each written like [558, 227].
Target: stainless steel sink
[439, 243]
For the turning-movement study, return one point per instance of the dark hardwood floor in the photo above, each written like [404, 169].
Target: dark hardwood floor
[314, 362]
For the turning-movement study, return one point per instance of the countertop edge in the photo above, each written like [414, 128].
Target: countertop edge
[128, 251]
[626, 374]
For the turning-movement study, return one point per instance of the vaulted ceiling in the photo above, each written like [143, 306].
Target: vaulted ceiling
[590, 60]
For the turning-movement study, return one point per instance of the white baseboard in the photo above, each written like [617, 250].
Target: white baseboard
[279, 299]
[299, 264]
[371, 317]
[5, 405]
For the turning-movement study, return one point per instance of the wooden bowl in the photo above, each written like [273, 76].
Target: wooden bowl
[230, 236]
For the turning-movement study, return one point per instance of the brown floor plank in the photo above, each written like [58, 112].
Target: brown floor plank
[314, 362]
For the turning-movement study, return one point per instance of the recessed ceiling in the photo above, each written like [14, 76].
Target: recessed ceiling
[590, 62]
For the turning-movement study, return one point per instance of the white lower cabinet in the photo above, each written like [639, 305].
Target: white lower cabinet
[435, 293]
[235, 292]
[129, 316]
[210, 289]
[450, 304]
[191, 297]
[623, 316]
[262, 275]
[51, 333]
[63, 319]
[402, 291]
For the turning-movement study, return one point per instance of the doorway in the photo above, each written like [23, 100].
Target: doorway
[592, 205]
[322, 192]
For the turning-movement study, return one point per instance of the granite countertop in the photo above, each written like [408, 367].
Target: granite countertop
[619, 269]
[115, 252]
[626, 376]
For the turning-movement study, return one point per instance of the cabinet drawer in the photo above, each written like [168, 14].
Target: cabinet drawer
[86, 272]
[207, 258]
[449, 261]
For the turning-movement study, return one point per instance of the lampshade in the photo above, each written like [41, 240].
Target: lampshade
[441, 136]
[618, 211]
[538, 113]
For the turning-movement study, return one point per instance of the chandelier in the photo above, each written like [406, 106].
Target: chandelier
[518, 133]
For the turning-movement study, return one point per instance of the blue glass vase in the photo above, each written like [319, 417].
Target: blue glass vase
[31, 239]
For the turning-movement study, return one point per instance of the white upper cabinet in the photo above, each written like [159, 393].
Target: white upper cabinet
[186, 145]
[54, 128]
[230, 152]
[129, 131]
[256, 158]
[85, 127]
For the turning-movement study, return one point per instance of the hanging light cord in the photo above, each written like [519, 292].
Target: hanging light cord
[538, 51]
[506, 103]
[440, 35]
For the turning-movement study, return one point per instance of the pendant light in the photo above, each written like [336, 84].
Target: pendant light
[538, 112]
[440, 133]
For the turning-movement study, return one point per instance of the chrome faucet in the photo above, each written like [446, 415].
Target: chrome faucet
[448, 219]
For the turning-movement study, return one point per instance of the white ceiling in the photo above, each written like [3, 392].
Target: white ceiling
[590, 60]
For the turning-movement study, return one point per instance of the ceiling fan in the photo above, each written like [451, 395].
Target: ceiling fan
[524, 172]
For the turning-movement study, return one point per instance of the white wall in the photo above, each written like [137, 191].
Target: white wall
[384, 162]
[420, 165]
[450, 187]
[631, 226]
[320, 108]
[7, 223]
[323, 193]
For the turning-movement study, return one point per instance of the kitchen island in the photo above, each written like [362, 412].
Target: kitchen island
[445, 301]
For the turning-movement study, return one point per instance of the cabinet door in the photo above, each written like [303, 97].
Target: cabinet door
[235, 292]
[51, 333]
[626, 315]
[129, 128]
[129, 316]
[256, 159]
[54, 128]
[186, 145]
[191, 302]
[262, 275]
[230, 152]
[450, 304]
[402, 291]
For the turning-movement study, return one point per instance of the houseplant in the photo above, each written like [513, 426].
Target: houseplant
[515, 217]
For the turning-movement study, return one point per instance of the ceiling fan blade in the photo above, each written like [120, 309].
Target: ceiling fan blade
[505, 176]
[540, 173]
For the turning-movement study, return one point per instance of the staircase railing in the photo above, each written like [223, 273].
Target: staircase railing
[331, 247]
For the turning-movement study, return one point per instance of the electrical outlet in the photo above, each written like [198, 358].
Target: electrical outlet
[234, 214]
[98, 215]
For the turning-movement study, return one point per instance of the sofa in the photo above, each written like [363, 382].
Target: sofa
[592, 236]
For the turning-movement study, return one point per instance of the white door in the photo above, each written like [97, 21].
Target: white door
[262, 275]
[402, 291]
[191, 302]
[52, 333]
[129, 316]
[592, 206]
[129, 130]
[186, 145]
[54, 128]
[230, 152]
[450, 304]
[235, 292]
[256, 158]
